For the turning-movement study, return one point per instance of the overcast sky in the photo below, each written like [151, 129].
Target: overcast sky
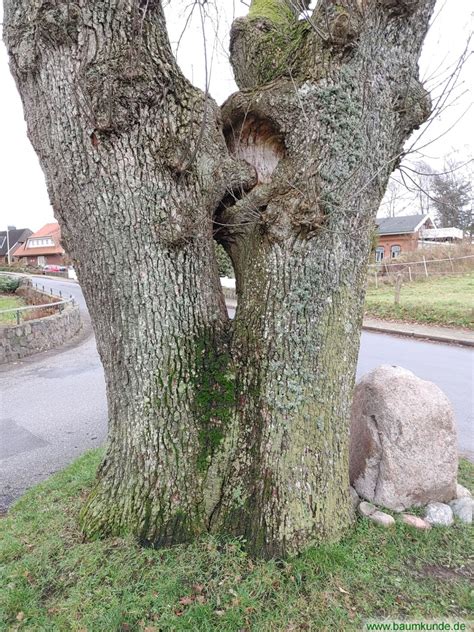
[23, 198]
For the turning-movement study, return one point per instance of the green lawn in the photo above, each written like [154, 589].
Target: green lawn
[7, 301]
[445, 301]
[50, 579]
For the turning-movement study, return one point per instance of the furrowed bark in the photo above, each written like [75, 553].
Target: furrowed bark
[135, 163]
[324, 133]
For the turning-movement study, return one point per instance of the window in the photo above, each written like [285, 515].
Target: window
[395, 251]
[40, 242]
[379, 253]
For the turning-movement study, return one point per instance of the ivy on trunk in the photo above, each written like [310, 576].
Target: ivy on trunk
[235, 427]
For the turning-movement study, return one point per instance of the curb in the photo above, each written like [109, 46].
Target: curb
[407, 333]
[384, 328]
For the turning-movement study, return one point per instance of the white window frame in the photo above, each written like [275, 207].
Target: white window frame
[395, 253]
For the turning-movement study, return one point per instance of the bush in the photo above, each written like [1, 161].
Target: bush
[8, 285]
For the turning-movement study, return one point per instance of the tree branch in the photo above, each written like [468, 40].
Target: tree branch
[266, 44]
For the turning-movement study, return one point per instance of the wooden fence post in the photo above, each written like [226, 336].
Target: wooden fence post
[398, 287]
[424, 263]
[451, 262]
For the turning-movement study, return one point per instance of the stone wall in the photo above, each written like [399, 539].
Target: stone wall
[41, 334]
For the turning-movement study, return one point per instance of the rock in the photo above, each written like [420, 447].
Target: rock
[415, 521]
[355, 500]
[403, 448]
[366, 509]
[463, 508]
[439, 514]
[370, 511]
[381, 518]
[462, 492]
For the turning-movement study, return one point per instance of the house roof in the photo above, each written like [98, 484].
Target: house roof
[52, 230]
[48, 230]
[401, 225]
[14, 236]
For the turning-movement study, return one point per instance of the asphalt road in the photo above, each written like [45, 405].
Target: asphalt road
[53, 405]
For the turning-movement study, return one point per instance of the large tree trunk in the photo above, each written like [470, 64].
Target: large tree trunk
[323, 143]
[239, 429]
[135, 164]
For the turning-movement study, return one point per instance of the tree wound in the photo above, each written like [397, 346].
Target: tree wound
[258, 141]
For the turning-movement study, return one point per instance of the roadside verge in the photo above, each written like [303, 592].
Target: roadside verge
[426, 332]
[446, 335]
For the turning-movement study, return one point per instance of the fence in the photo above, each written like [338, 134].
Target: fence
[31, 312]
[407, 271]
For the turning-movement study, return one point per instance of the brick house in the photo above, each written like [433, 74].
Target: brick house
[397, 235]
[10, 242]
[43, 247]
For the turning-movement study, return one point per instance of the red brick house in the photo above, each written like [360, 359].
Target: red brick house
[405, 233]
[397, 235]
[43, 247]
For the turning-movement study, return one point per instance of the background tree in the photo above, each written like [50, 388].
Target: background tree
[238, 428]
[397, 199]
[224, 263]
[422, 175]
[452, 197]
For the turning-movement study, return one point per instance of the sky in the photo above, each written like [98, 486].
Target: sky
[24, 201]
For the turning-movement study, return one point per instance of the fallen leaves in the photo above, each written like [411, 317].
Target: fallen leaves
[186, 601]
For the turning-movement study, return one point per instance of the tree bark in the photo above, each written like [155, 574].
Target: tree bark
[240, 429]
[324, 133]
[135, 163]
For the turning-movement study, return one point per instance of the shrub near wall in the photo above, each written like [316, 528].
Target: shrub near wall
[8, 284]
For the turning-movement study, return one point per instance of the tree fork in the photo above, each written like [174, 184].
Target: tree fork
[141, 168]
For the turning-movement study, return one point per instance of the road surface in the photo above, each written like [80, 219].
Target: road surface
[53, 405]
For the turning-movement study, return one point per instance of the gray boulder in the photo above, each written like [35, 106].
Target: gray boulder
[383, 519]
[439, 514]
[367, 510]
[463, 508]
[462, 492]
[403, 449]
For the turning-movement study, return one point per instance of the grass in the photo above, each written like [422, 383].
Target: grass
[8, 301]
[445, 301]
[50, 579]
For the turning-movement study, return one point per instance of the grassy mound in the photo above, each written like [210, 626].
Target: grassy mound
[50, 579]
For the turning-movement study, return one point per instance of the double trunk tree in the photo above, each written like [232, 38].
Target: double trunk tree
[236, 427]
